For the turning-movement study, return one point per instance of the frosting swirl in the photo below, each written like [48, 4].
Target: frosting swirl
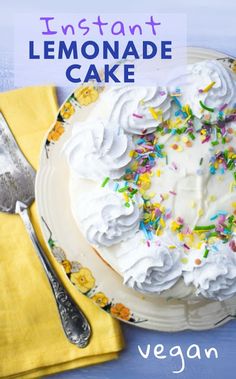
[137, 109]
[98, 149]
[104, 218]
[195, 82]
[215, 277]
[149, 269]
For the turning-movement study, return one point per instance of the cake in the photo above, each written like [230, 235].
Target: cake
[153, 183]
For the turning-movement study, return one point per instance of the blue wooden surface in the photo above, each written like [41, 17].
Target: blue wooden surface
[210, 24]
[130, 365]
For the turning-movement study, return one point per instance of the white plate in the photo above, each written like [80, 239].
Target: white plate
[92, 276]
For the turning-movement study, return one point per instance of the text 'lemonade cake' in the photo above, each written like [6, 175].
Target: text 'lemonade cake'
[153, 183]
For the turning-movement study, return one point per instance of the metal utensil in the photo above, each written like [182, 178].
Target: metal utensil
[17, 179]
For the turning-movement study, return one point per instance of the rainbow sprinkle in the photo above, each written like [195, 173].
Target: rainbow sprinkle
[207, 88]
[105, 181]
[137, 115]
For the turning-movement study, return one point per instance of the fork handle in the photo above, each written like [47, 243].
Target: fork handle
[75, 324]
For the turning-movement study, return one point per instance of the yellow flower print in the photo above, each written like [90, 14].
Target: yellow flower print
[67, 266]
[100, 299]
[120, 311]
[83, 279]
[86, 95]
[233, 66]
[56, 132]
[67, 110]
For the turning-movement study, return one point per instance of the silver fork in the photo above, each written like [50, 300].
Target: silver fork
[17, 179]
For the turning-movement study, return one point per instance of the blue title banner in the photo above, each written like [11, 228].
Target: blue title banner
[67, 48]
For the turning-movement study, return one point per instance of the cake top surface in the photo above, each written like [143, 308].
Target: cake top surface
[160, 165]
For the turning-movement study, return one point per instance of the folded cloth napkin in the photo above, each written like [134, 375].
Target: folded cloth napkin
[32, 343]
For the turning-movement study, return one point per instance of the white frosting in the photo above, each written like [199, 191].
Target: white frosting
[129, 106]
[98, 149]
[198, 77]
[149, 269]
[103, 217]
[215, 277]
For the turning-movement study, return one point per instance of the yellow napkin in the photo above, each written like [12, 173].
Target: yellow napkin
[32, 343]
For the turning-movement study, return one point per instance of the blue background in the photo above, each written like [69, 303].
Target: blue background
[211, 24]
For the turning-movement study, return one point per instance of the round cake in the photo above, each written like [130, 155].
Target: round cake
[153, 183]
